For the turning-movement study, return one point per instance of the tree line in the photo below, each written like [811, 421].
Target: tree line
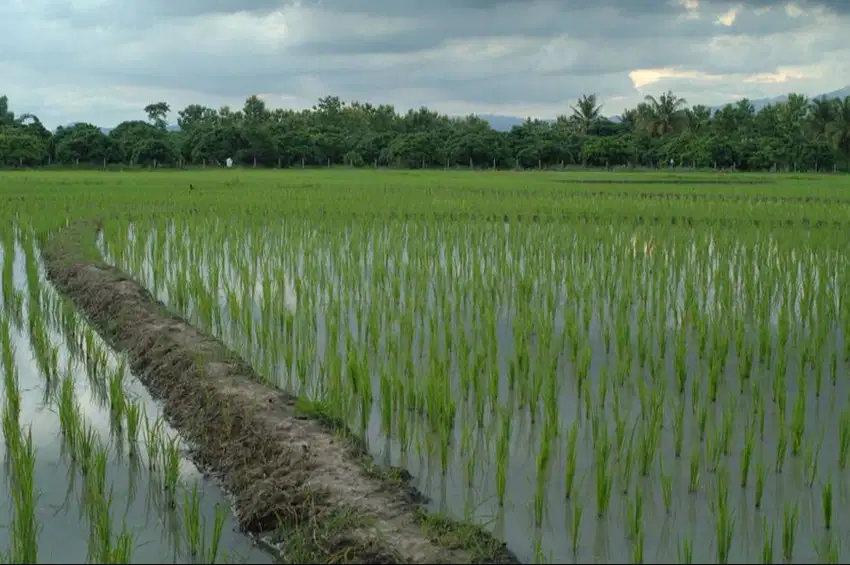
[796, 135]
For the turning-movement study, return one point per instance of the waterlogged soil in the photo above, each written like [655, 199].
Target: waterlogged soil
[138, 501]
[606, 539]
[284, 470]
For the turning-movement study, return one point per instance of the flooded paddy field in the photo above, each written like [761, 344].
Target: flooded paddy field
[591, 374]
[91, 471]
[588, 392]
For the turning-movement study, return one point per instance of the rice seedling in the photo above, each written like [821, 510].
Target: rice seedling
[746, 455]
[95, 478]
[635, 515]
[798, 418]
[153, 441]
[87, 441]
[117, 400]
[811, 457]
[781, 448]
[539, 500]
[104, 545]
[575, 525]
[626, 465]
[833, 368]
[213, 542]
[694, 472]
[724, 518]
[829, 551]
[702, 420]
[728, 427]
[761, 476]
[679, 428]
[67, 408]
[192, 526]
[570, 467]
[685, 551]
[767, 542]
[844, 438]
[171, 467]
[604, 478]
[132, 413]
[637, 547]
[826, 503]
[23, 528]
[539, 556]
[666, 488]
[790, 518]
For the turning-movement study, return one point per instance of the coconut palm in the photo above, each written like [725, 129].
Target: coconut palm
[666, 113]
[586, 112]
[629, 118]
[698, 118]
[838, 130]
[7, 117]
[821, 114]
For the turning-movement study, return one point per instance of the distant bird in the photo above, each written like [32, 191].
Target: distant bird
[191, 186]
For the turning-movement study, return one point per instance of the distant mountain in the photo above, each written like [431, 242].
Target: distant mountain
[502, 123]
[841, 93]
[505, 123]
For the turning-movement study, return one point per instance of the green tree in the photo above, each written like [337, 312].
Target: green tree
[665, 114]
[797, 134]
[158, 114]
[586, 113]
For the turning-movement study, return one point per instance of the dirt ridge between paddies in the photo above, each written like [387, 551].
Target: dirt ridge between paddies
[298, 480]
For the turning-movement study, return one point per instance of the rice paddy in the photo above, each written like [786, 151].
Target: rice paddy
[92, 470]
[653, 375]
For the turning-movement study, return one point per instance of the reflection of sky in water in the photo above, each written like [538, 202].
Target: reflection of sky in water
[282, 288]
[138, 498]
[326, 263]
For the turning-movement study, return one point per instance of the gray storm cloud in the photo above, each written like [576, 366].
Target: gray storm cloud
[503, 56]
[442, 7]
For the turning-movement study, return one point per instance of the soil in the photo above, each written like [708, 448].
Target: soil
[299, 481]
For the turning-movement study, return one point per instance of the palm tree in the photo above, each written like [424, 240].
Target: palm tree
[838, 130]
[629, 118]
[666, 113]
[698, 118]
[644, 117]
[586, 112]
[821, 114]
[7, 117]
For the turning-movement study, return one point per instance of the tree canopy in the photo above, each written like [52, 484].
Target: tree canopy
[796, 135]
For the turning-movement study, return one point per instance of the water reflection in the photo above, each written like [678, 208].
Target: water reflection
[158, 530]
[401, 296]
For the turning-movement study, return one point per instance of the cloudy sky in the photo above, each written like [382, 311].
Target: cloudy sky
[102, 61]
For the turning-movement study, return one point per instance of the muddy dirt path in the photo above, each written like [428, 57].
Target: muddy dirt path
[299, 482]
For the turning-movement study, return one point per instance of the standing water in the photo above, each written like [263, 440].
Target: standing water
[92, 471]
[591, 393]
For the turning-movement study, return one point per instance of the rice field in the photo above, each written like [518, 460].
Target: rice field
[593, 371]
[92, 471]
